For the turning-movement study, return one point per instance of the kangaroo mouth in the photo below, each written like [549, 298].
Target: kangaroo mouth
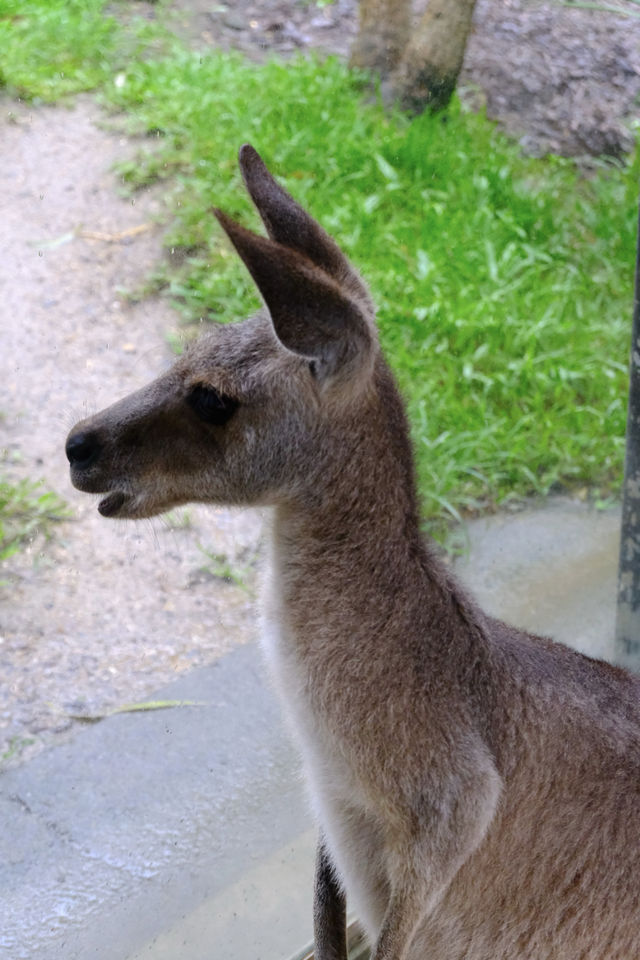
[111, 504]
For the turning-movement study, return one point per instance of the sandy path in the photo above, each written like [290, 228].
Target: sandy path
[105, 612]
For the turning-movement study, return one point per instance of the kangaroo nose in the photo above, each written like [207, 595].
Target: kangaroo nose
[82, 449]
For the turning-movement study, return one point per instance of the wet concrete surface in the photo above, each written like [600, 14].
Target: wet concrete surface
[185, 833]
[551, 570]
[114, 837]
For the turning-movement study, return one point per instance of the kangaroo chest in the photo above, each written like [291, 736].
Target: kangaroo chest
[322, 757]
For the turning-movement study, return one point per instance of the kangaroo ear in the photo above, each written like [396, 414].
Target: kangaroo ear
[310, 313]
[290, 225]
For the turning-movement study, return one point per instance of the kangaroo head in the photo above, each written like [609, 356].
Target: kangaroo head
[242, 416]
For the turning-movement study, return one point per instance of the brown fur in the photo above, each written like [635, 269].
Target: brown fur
[478, 788]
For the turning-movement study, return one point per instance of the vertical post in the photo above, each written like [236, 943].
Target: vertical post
[627, 638]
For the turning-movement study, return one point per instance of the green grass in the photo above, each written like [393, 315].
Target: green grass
[52, 48]
[49, 48]
[221, 567]
[25, 510]
[15, 747]
[504, 284]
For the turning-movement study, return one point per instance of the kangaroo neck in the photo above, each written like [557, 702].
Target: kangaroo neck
[352, 542]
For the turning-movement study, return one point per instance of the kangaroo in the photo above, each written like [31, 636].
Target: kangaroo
[477, 788]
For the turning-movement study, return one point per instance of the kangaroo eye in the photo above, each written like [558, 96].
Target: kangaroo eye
[211, 406]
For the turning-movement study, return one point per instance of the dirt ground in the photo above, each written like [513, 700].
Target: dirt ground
[104, 613]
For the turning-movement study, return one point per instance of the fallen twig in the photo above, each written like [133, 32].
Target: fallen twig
[137, 708]
[113, 237]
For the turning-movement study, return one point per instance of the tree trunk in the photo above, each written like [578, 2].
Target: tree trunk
[383, 34]
[428, 71]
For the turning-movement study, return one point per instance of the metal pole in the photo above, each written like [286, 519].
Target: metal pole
[627, 639]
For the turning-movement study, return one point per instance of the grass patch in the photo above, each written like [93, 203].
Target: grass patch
[49, 48]
[15, 747]
[52, 48]
[25, 510]
[221, 567]
[504, 284]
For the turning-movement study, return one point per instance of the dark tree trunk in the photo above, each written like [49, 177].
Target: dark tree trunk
[422, 64]
[383, 34]
[427, 74]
